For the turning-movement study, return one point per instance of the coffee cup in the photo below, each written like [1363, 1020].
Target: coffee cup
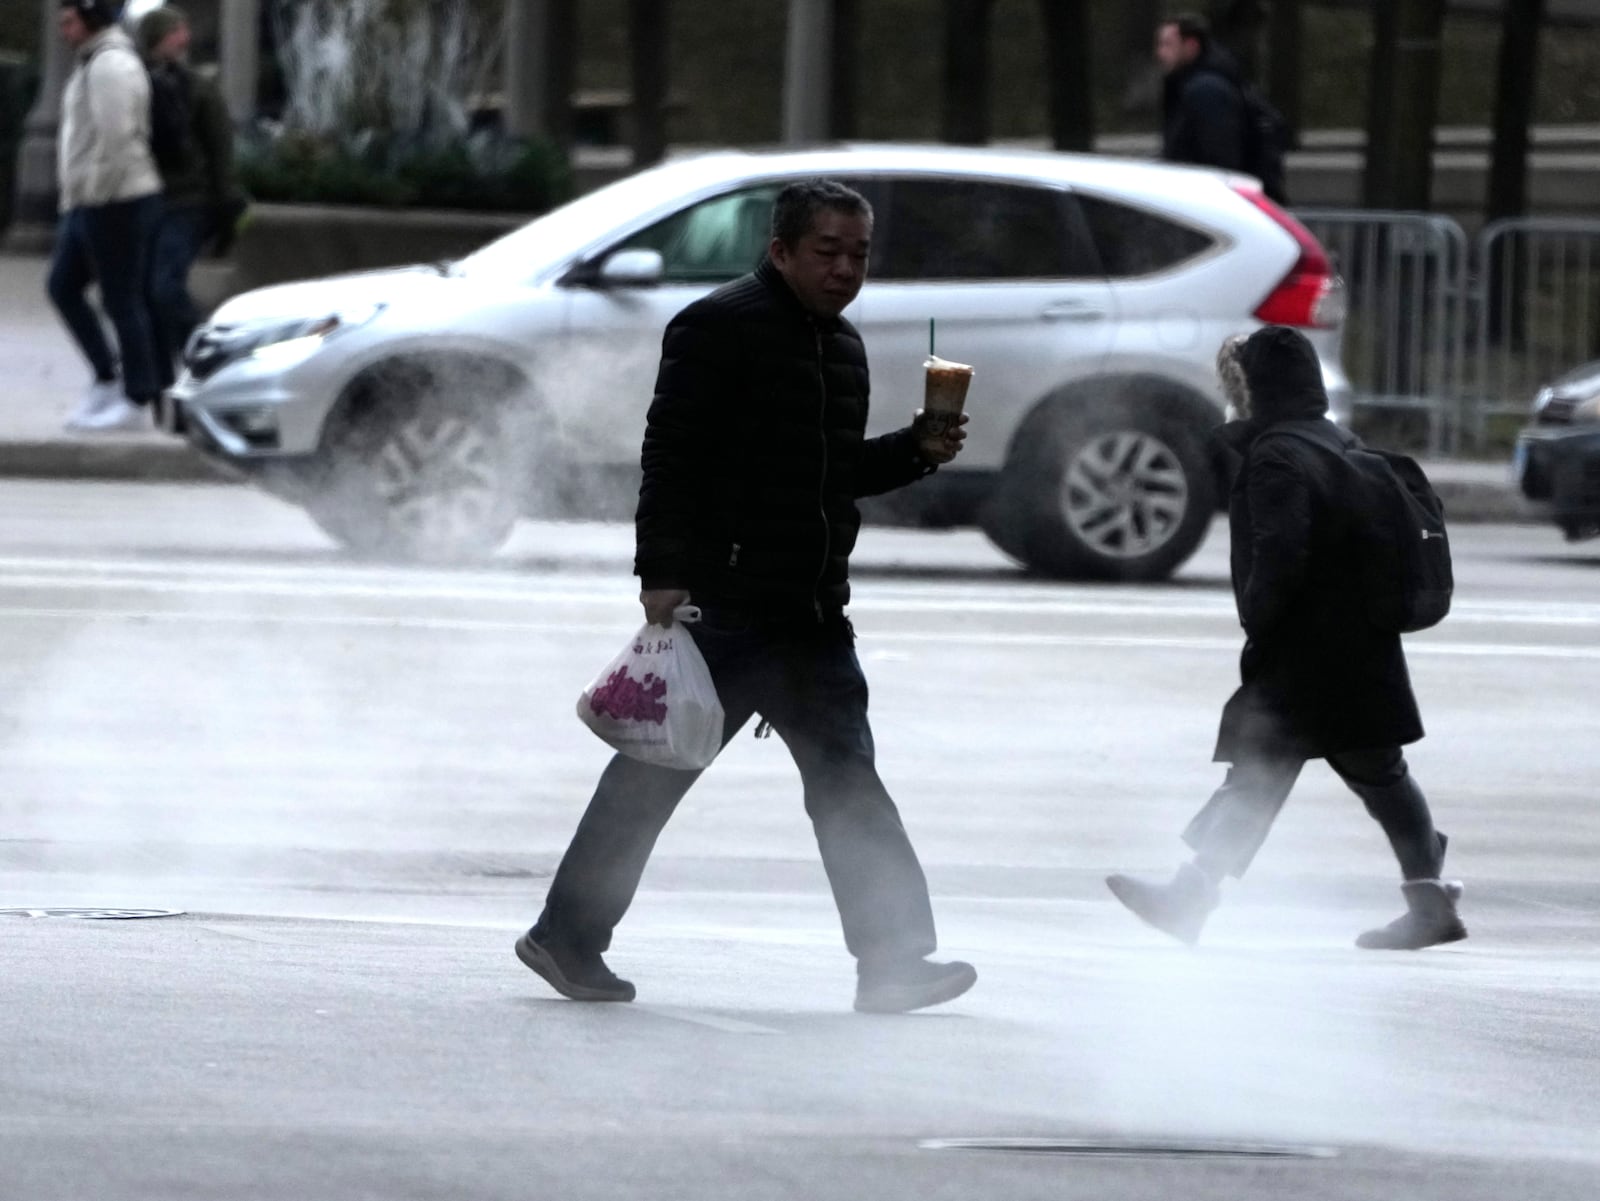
[944, 395]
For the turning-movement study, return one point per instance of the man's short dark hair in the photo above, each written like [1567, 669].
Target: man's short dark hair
[795, 211]
[1191, 26]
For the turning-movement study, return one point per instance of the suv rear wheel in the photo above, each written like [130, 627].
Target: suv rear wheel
[1115, 492]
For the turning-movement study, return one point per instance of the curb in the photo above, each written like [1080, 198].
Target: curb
[1467, 501]
[109, 462]
[1473, 502]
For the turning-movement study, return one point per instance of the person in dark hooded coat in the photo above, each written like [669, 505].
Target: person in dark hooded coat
[1318, 679]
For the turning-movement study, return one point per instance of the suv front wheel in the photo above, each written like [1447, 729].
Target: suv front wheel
[418, 476]
[1121, 492]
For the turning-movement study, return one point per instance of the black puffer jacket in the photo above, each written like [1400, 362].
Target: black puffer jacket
[1204, 113]
[1318, 677]
[755, 453]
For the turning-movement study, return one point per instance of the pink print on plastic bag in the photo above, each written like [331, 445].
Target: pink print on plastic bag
[622, 698]
[656, 701]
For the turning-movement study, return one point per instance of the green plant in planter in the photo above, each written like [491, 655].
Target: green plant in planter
[378, 112]
[487, 173]
[483, 172]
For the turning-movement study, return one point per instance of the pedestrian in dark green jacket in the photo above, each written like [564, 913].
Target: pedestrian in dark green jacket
[202, 198]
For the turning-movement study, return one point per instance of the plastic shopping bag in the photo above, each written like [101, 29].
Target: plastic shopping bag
[655, 701]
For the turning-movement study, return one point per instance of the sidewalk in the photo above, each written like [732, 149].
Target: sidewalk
[43, 377]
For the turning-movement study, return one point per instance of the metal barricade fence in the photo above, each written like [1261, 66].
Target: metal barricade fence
[1537, 294]
[1406, 277]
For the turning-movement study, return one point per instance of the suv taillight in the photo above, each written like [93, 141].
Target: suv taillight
[1311, 295]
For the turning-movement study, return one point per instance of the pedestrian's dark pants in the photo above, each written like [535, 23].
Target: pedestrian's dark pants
[1228, 831]
[805, 679]
[178, 241]
[110, 243]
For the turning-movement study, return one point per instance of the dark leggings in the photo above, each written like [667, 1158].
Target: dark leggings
[1229, 830]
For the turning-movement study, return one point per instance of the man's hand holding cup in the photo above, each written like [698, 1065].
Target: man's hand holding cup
[938, 442]
[937, 428]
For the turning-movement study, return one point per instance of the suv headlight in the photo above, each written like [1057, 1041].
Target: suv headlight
[285, 343]
[278, 342]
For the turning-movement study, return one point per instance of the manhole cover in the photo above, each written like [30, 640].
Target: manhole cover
[1145, 1148]
[93, 915]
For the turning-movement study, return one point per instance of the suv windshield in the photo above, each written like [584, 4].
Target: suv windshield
[555, 237]
[713, 241]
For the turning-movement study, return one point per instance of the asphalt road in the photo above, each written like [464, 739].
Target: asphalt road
[356, 781]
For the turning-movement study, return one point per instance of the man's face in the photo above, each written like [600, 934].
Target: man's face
[175, 45]
[828, 265]
[73, 31]
[1173, 50]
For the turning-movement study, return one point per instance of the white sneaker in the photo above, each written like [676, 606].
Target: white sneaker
[122, 415]
[99, 398]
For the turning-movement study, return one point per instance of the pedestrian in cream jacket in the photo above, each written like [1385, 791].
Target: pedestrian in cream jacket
[110, 208]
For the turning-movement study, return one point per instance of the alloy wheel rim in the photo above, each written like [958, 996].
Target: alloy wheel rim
[1125, 494]
[440, 479]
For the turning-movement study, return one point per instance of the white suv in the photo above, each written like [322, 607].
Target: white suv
[417, 413]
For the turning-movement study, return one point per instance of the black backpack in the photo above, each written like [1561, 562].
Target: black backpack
[1398, 527]
[1407, 576]
[171, 121]
[1266, 142]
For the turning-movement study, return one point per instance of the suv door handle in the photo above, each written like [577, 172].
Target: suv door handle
[1073, 310]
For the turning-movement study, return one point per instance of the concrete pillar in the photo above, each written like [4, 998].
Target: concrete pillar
[36, 164]
[540, 69]
[527, 22]
[808, 72]
[239, 29]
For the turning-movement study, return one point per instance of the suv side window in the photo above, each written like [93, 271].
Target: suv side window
[1135, 242]
[945, 229]
[713, 241]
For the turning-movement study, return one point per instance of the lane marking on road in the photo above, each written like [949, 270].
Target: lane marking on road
[1002, 596]
[711, 1021]
[1569, 616]
[868, 598]
[248, 936]
[1230, 645]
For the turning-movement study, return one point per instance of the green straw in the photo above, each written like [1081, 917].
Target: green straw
[930, 335]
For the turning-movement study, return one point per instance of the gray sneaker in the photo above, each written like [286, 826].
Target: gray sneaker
[900, 986]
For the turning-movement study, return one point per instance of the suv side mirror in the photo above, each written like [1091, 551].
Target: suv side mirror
[632, 268]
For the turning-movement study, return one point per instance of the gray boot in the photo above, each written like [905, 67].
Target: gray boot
[1430, 919]
[1178, 908]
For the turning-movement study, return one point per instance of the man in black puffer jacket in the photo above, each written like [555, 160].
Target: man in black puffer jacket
[754, 456]
[1318, 679]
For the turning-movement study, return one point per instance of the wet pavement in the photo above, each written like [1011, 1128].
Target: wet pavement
[356, 780]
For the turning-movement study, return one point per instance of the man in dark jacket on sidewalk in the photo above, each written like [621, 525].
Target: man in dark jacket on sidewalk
[201, 195]
[754, 457]
[1319, 680]
[1202, 97]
